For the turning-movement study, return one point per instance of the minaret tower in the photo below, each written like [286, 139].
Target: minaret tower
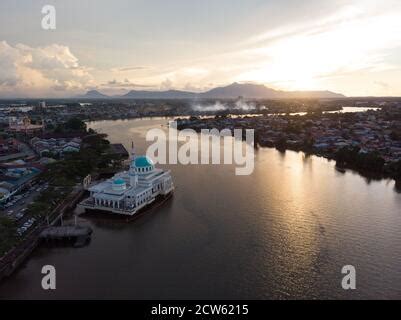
[133, 176]
[133, 156]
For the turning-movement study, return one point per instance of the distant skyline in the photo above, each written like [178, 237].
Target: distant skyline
[351, 47]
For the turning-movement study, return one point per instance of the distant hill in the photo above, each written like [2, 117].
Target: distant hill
[169, 94]
[232, 91]
[258, 91]
[93, 94]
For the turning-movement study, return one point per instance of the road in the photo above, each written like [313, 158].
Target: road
[21, 204]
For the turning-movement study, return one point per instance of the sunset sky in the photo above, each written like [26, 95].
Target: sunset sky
[351, 47]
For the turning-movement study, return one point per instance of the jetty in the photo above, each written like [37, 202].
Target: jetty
[79, 234]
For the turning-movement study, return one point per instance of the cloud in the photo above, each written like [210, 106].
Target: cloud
[40, 71]
[323, 53]
[166, 85]
[133, 68]
[355, 39]
[382, 84]
[345, 49]
[124, 84]
[8, 56]
[317, 25]
[190, 87]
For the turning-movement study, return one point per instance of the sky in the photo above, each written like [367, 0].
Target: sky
[351, 47]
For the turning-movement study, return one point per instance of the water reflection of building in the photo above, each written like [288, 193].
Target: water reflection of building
[129, 191]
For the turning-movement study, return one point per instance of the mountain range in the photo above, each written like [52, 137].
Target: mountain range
[232, 91]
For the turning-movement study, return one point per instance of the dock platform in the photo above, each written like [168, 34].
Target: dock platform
[79, 234]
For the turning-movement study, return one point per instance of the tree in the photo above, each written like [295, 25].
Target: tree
[75, 124]
[39, 209]
[8, 234]
[395, 170]
[49, 126]
[395, 135]
[368, 161]
[281, 143]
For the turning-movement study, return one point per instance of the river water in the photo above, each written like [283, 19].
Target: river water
[284, 231]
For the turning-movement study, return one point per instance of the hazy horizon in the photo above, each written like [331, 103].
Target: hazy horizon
[348, 47]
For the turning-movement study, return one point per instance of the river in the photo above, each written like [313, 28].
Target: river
[285, 231]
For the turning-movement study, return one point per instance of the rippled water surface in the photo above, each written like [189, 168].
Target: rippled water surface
[283, 232]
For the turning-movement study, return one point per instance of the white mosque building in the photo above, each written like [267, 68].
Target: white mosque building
[129, 191]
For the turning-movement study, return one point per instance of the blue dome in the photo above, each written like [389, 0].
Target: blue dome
[119, 181]
[142, 161]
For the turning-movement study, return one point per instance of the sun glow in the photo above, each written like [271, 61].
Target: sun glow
[304, 60]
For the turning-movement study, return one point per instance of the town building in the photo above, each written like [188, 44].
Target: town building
[55, 147]
[24, 125]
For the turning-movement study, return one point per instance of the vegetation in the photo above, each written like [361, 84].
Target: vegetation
[94, 157]
[395, 170]
[8, 236]
[395, 135]
[47, 201]
[63, 175]
[365, 161]
[75, 125]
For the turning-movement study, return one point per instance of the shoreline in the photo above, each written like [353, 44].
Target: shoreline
[281, 143]
[15, 257]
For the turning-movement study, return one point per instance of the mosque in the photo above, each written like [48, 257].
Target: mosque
[129, 191]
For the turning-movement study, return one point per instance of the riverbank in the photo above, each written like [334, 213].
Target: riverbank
[15, 257]
[64, 180]
[368, 142]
